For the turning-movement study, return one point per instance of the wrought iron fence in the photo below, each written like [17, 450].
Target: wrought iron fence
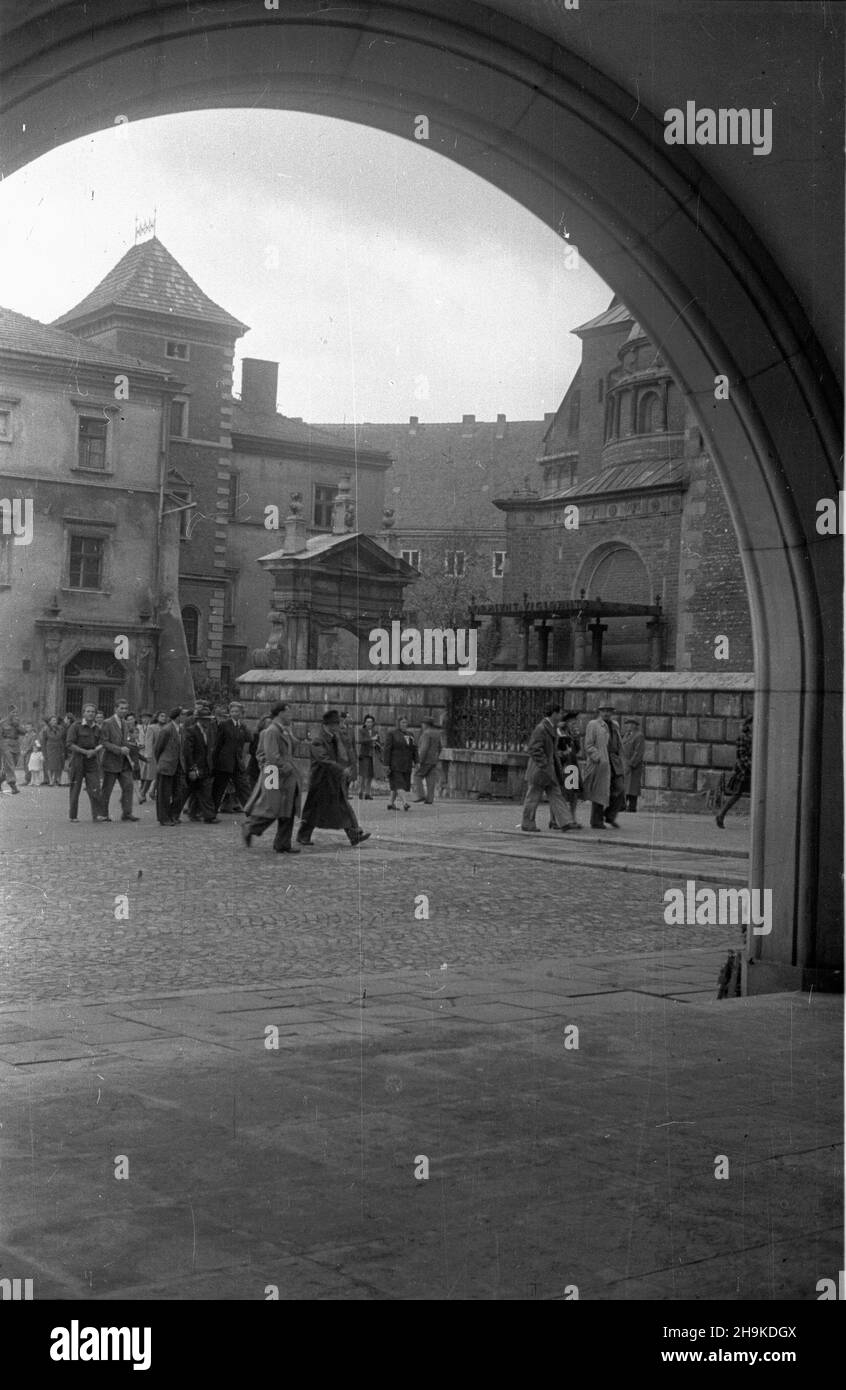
[501, 720]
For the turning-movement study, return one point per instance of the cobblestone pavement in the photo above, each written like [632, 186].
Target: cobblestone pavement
[552, 1050]
[203, 911]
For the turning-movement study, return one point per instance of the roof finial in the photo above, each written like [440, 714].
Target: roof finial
[145, 230]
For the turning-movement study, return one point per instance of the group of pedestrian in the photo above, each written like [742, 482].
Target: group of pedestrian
[184, 760]
[605, 768]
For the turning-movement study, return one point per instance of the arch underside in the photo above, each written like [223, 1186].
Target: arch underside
[513, 107]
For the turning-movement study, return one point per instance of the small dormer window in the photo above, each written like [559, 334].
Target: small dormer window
[177, 350]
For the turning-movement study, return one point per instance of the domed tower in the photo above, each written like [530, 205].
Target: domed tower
[644, 409]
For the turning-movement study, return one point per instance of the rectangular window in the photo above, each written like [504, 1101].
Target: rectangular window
[411, 557]
[5, 424]
[323, 499]
[177, 350]
[233, 494]
[86, 562]
[179, 418]
[93, 435]
[454, 562]
[498, 566]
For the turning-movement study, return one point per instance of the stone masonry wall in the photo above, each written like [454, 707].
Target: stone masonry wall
[691, 720]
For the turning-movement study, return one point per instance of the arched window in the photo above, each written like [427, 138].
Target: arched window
[618, 573]
[191, 625]
[650, 414]
[610, 404]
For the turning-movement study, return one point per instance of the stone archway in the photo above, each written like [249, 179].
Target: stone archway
[511, 104]
[613, 571]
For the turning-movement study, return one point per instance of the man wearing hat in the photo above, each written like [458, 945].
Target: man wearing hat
[603, 780]
[327, 805]
[633, 746]
[545, 774]
[198, 740]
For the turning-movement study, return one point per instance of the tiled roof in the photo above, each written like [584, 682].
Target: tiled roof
[616, 313]
[148, 277]
[446, 474]
[627, 477]
[24, 335]
[249, 421]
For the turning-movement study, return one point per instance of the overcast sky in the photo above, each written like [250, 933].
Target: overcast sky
[384, 279]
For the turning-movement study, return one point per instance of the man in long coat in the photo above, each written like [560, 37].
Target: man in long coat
[276, 795]
[327, 804]
[545, 774]
[633, 747]
[603, 779]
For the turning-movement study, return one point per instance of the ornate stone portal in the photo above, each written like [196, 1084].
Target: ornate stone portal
[322, 583]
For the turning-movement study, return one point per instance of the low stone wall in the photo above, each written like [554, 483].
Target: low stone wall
[691, 720]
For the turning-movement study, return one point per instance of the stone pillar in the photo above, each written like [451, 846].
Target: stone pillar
[52, 643]
[543, 645]
[657, 630]
[296, 527]
[579, 644]
[523, 662]
[597, 629]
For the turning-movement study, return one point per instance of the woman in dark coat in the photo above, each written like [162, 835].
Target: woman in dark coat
[53, 745]
[368, 746]
[399, 756]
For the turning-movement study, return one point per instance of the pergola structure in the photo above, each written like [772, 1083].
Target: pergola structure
[540, 614]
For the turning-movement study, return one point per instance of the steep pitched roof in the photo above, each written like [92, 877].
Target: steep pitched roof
[445, 475]
[148, 277]
[24, 335]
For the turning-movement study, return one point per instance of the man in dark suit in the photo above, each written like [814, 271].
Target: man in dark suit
[83, 740]
[228, 759]
[544, 773]
[117, 762]
[170, 770]
[198, 741]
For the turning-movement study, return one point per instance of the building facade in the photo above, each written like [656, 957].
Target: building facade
[234, 465]
[88, 558]
[441, 486]
[626, 513]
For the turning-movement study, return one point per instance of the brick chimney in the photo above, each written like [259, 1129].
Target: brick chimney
[500, 427]
[259, 384]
